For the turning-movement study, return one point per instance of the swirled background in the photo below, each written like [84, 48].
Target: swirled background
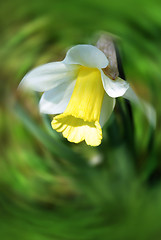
[52, 189]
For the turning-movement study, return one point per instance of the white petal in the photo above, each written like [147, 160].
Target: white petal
[107, 108]
[48, 76]
[145, 107]
[56, 100]
[114, 88]
[86, 55]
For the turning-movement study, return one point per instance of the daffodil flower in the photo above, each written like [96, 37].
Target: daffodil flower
[78, 92]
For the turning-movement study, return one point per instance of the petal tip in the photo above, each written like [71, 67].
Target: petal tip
[86, 55]
[114, 88]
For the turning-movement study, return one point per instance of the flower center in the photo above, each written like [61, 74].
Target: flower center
[80, 120]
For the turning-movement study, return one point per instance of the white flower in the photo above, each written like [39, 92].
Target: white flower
[78, 92]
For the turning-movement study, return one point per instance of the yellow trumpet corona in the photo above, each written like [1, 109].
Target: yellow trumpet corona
[80, 120]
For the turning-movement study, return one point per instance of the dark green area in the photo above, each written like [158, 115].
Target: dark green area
[48, 188]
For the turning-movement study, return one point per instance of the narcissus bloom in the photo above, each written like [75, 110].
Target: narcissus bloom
[77, 91]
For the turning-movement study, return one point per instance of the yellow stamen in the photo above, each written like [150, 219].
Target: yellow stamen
[80, 120]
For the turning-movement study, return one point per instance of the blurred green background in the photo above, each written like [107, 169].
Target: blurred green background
[50, 188]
